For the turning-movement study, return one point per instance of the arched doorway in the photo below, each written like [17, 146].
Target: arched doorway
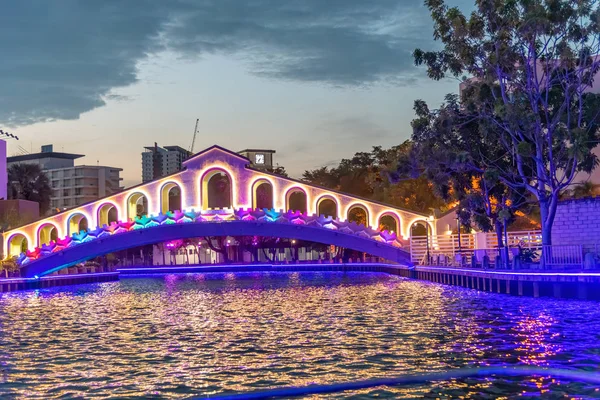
[107, 214]
[216, 190]
[46, 234]
[137, 206]
[262, 194]
[76, 224]
[17, 244]
[327, 207]
[170, 197]
[358, 214]
[296, 200]
[388, 222]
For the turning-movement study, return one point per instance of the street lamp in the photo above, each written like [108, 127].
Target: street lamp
[428, 256]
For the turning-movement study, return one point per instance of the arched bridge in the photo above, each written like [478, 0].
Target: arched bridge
[216, 194]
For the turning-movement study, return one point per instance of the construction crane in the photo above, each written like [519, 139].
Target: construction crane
[194, 138]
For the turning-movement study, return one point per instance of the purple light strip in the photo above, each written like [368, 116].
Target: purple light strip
[55, 277]
[581, 274]
[225, 266]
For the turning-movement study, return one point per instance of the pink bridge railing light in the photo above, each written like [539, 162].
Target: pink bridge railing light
[211, 216]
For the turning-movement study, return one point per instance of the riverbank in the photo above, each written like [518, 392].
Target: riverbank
[532, 283]
[15, 284]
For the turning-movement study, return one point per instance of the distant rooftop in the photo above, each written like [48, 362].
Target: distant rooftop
[47, 151]
[169, 148]
[47, 154]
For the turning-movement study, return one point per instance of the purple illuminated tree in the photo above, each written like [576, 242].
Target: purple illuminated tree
[531, 65]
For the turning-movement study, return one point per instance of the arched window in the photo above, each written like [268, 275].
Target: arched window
[327, 207]
[107, 214]
[170, 197]
[262, 194]
[17, 244]
[46, 234]
[137, 206]
[359, 215]
[76, 224]
[388, 222]
[296, 200]
[419, 228]
[216, 190]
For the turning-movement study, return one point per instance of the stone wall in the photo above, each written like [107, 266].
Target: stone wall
[577, 222]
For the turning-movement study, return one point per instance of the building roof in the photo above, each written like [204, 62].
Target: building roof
[217, 147]
[256, 151]
[38, 156]
[177, 148]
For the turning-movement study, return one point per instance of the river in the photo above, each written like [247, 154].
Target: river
[175, 336]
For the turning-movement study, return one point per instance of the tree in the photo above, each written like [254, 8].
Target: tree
[449, 151]
[29, 182]
[530, 65]
[583, 190]
[368, 175]
[278, 170]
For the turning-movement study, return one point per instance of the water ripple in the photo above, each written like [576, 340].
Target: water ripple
[202, 334]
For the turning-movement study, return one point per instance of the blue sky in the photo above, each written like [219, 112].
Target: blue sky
[316, 80]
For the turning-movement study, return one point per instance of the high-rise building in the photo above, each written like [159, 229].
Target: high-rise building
[162, 161]
[72, 184]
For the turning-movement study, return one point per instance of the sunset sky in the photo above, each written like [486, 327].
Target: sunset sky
[314, 80]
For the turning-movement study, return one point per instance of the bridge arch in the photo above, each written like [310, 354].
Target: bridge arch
[76, 223]
[171, 197]
[137, 205]
[107, 213]
[210, 183]
[296, 199]
[327, 205]
[46, 233]
[262, 194]
[16, 244]
[168, 232]
[359, 213]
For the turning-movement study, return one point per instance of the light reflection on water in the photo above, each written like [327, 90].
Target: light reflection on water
[200, 334]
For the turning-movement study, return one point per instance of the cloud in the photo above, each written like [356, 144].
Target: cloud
[63, 58]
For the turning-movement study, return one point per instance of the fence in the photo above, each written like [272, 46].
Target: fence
[444, 249]
[562, 256]
[441, 245]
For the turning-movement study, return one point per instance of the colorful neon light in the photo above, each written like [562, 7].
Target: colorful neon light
[190, 183]
[219, 216]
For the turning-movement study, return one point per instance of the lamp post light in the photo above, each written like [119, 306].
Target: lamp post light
[428, 256]
[459, 244]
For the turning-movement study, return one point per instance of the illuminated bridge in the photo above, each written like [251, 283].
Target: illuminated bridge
[258, 203]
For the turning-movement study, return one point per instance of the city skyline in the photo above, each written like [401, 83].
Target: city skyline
[315, 82]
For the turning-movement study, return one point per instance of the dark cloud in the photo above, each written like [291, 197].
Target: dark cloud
[62, 58]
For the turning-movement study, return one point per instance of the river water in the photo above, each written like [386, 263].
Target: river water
[205, 334]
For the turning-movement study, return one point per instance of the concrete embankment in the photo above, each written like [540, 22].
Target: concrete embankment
[14, 284]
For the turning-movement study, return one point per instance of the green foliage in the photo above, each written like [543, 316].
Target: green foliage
[278, 170]
[530, 67]
[29, 182]
[373, 175]
[528, 255]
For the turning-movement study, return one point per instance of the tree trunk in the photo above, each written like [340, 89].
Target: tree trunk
[546, 232]
[547, 219]
[499, 231]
